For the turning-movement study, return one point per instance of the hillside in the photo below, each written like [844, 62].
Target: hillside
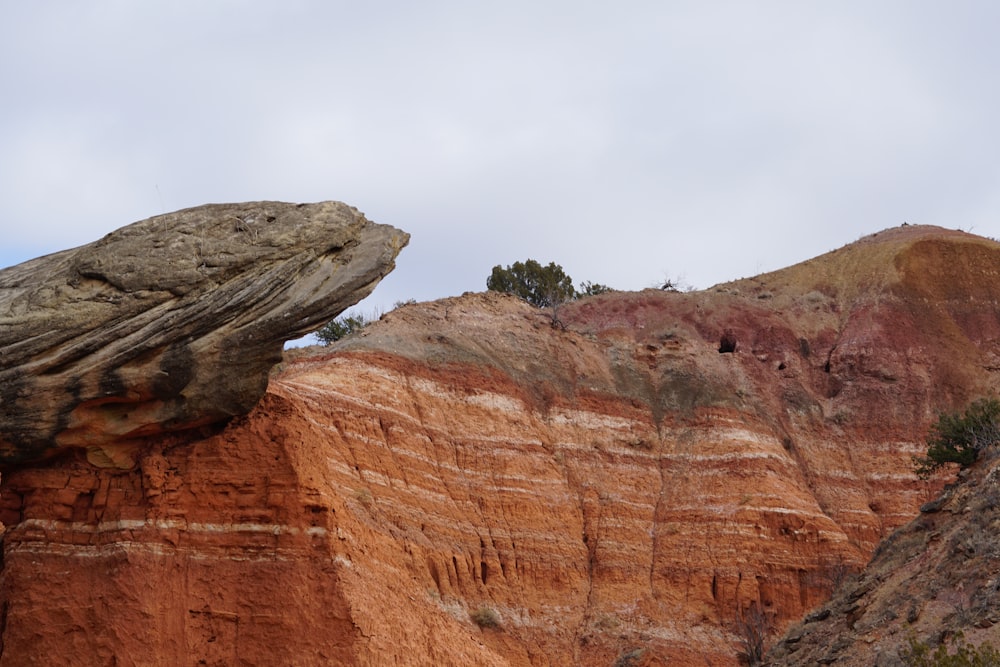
[932, 581]
[614, 490]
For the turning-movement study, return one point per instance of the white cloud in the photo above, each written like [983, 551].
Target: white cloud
[626, 141]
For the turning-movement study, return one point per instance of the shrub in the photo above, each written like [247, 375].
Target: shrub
[919, 654]
[541, 286]
[341, 327]
[588, 288]
[485, 617]
[753, 628]
[630, 658]
[364, 496]
[960, 437]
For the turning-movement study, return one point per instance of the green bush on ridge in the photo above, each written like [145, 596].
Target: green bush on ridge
[341, 327]
[960, 437]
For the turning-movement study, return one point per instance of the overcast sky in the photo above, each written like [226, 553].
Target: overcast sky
[628, 141]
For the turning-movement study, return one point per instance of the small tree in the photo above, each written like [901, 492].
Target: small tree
[588, 288]
[960, 437]
[341, 327]
[542, 286]
[753, 628]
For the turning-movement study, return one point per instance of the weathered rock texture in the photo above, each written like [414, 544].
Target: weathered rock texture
[933, 581]
[616, 492]
[173, 322]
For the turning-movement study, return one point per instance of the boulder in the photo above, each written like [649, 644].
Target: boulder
[173, 322]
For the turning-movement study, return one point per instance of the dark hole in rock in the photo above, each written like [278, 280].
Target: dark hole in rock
[727, 343]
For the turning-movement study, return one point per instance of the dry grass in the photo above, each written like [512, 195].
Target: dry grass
[485, 617]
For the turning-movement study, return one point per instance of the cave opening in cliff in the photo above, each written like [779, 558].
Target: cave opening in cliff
[727, 344]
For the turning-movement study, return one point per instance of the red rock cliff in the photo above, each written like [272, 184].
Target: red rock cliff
[615, 490]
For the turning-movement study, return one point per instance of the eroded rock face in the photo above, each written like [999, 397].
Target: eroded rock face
[173, 322]
[616, 492]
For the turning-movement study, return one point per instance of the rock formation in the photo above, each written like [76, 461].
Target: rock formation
[173, 322]
[934, 581]
[613, 492]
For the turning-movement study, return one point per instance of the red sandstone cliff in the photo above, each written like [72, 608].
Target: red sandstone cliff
[616, 490]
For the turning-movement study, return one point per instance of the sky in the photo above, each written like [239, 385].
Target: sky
[630, 141]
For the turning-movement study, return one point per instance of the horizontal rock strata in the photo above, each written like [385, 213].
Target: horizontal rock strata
[615, 491]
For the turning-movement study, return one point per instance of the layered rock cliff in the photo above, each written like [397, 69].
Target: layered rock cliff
[614, 490]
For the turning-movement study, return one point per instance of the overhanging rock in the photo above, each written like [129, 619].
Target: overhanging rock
[173, 322]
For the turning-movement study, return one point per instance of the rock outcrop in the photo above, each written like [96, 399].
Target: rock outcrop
[617, 491]
[934, 581]
[173, 322]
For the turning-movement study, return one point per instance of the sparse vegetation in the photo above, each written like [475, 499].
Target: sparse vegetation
[837, 572]
[341, 327]
[485, 617]
[588, 288]
[541, 286]
[346, 325]
[639, 443]
[364, 496]
[630, 658]
[960, 437]
[672, 284]
[753, 628]
[920, 654]
[607, 623]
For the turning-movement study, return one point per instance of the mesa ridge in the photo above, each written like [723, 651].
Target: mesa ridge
[614, 489]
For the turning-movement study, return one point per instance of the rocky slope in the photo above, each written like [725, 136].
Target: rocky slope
[614, 490]
[933, 581]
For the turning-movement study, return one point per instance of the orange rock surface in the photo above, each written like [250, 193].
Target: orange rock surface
[611, 489]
